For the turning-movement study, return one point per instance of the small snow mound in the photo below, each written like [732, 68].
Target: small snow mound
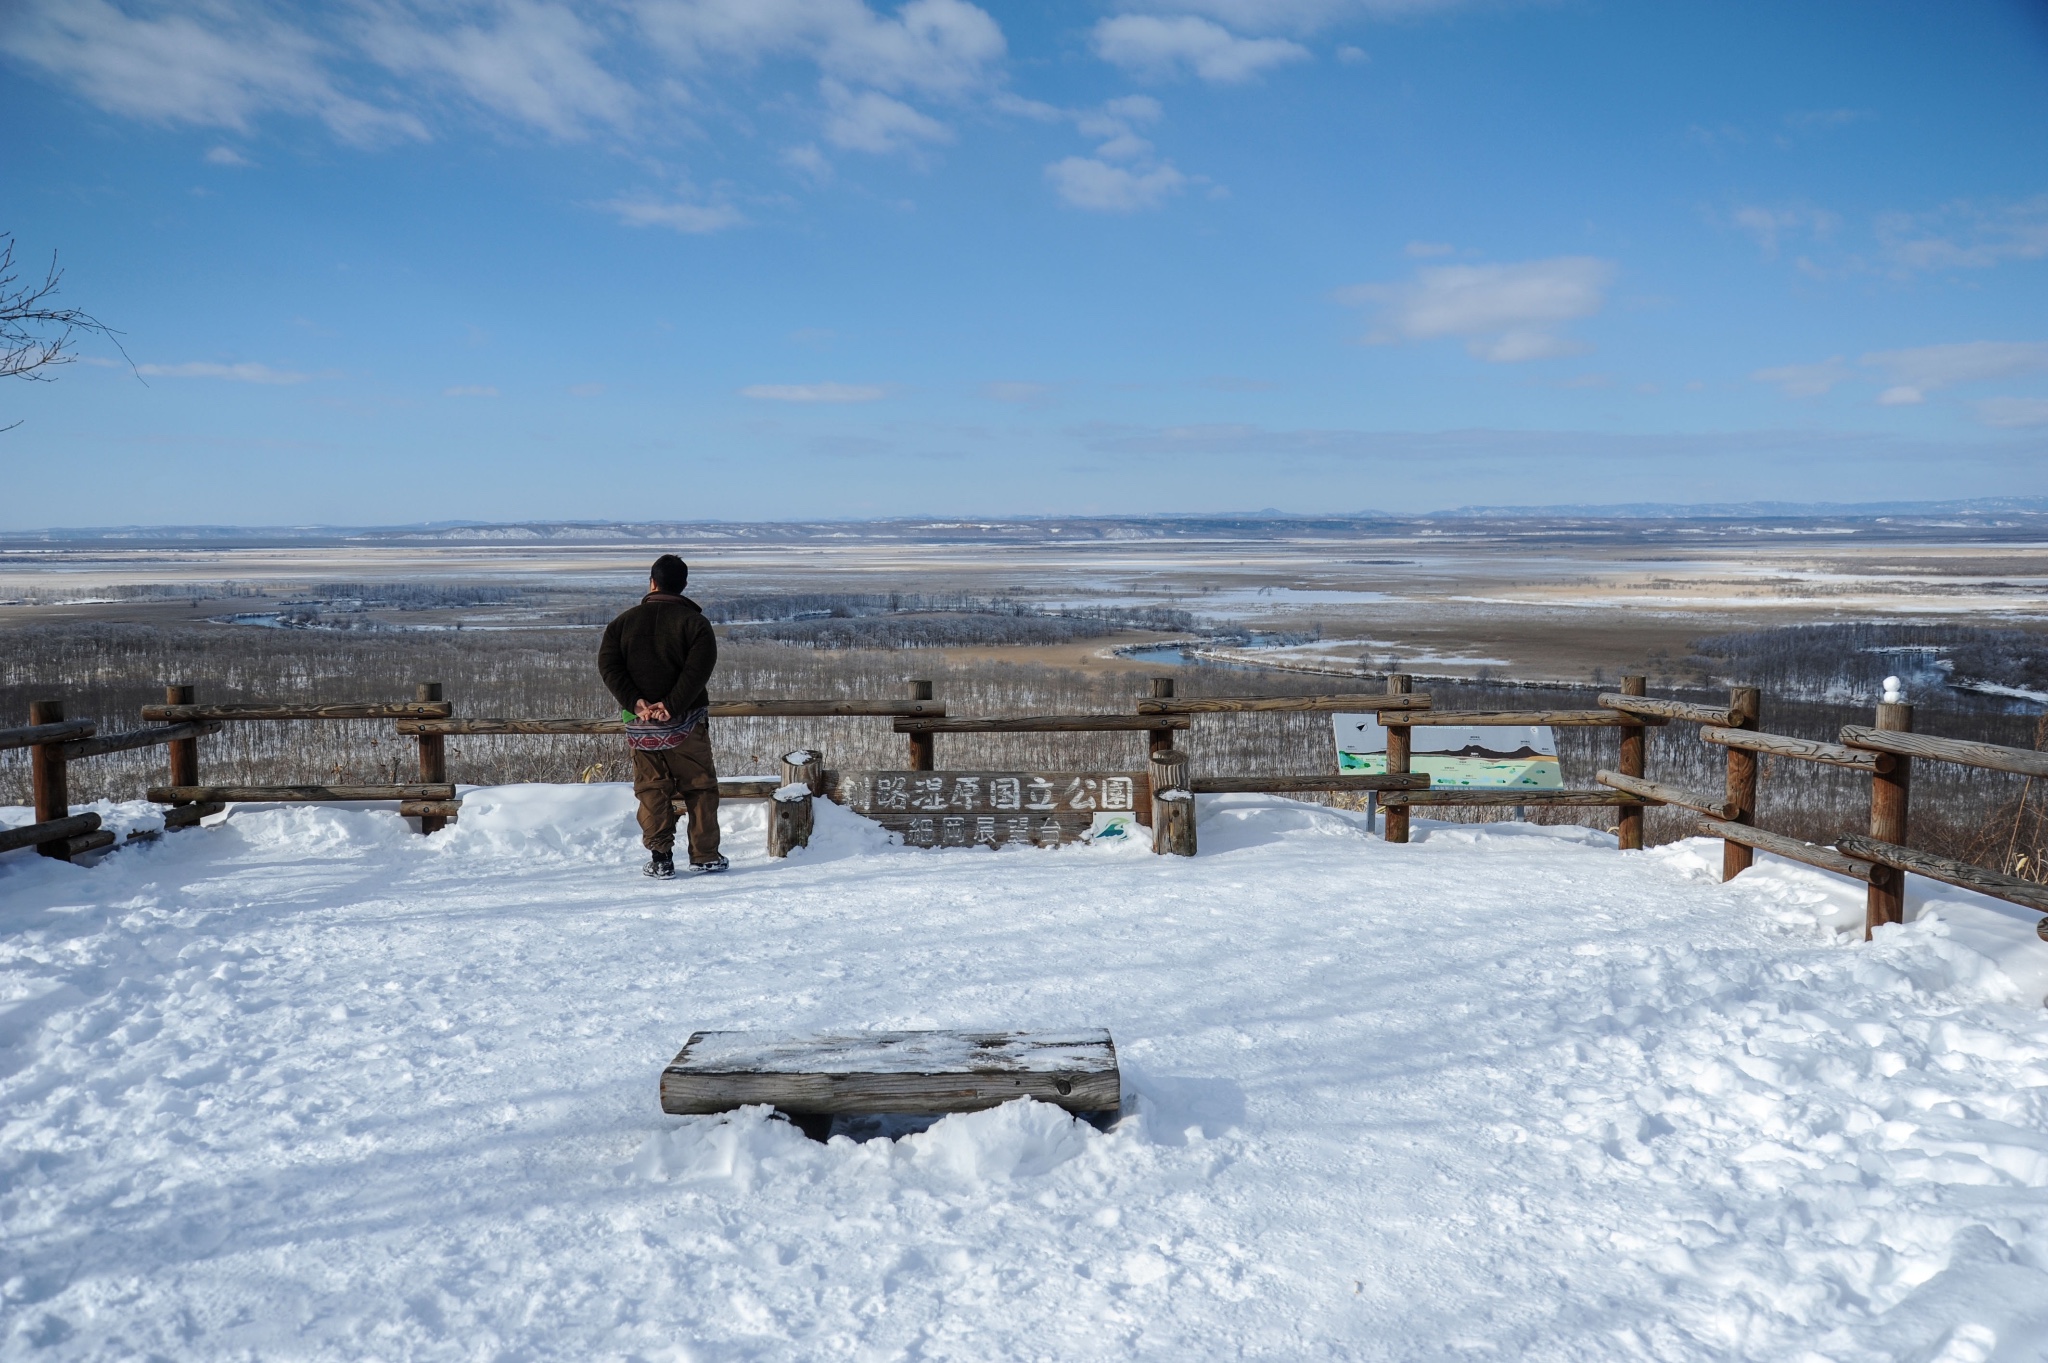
[317, 830]
[731, 1147]
[1020, 1139]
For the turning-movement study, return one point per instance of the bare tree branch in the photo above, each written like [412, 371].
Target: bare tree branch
[35, 333]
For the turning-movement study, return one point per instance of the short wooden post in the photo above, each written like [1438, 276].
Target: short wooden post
[1173, 804]
[1162, 689]
[1398, 684]
[1628, 832]
[1886, 903]
[1745, 705]
[921, 748]
[52, 779]
[433, 757]
[790, 814]
[184, 753]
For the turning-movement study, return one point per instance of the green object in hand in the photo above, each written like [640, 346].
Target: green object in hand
[628, 716]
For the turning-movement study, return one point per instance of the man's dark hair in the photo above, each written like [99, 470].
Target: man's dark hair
[669, 573]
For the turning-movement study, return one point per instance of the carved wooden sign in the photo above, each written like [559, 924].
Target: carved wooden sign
[990, 808]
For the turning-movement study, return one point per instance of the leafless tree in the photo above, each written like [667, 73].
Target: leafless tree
[35, 333]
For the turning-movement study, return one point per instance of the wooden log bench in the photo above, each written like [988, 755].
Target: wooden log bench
[813, 1077]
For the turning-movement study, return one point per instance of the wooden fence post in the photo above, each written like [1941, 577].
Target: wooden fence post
[1173, 804]
[1745, 705]
[433, 758]
[52, 779]
[791, 817]
[1628, 832]
[184, 752]
[1162, 689]
[921, 747]
[1886, 903]
[1398, 684]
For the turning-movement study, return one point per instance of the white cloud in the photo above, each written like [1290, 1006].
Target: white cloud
[218, 65]
[814, 392]
[808, 162]
[1506, 313]
[470, 390]
[1901, 395]
[934, 46]
[226, 156]
[1926, 368]
[1104, 188]
[238, 373]
[1964, 235]
[695, 218]
[532, 61]
[1155, 45]
[868, 120]
[2013, 413]
[1770, 225]
[1298, 16]
[1805, 380]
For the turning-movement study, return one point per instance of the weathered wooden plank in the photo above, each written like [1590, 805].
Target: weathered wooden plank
[1987, 756]
[50, 830]
[853, 1072]
[407, 709]
[1044, 724]
[1803, 749]
[1359, 703]
[1508, 795]
[189, 816]
[429, 809]
[723, 709]
[103, 744]
[34, 734]
[1792, 849]
[1285, 785]
[1666, 709]
[1581, 719]
[2026, 893]
[180, 795]
[1659, 793]
[88, 842]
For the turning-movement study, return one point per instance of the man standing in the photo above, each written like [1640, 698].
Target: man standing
[655, 660]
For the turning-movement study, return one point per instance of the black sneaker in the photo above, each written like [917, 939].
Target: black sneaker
[711, 867]
[660, 866]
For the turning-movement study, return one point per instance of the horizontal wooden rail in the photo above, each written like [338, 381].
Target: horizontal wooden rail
[1948, 870]
[1712, 806]
[405, 709]
[1233, 705]
[429, 809]
[103, 744]
[1580, 719]
[1044, 724]
[511, 726]
[189, 816]
[824, 709]
[53, 830]
[1505, 795]
[1987, 756]
[88, 842]
[1804, 749]
[1667, 709]
[1284, 785]
[181, 795]
[47, 733]
[1792, 849]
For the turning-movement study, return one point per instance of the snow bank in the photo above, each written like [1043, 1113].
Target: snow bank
[305, 1085]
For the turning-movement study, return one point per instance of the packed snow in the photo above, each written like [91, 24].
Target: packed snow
[303, 1084]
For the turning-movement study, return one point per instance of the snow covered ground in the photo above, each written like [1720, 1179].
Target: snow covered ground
[305, 1085]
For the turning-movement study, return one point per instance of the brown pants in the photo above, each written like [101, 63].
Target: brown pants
[684, 771]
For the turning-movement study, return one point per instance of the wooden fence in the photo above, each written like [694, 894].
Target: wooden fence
[992, 806]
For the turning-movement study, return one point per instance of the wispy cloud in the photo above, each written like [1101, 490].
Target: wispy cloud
[1965, 235]
[236, 373]
[814, 392]
[226, 156]
[1771, 226]
[1161, 46]
[1100, 187]
[868, 120]
[1805, 380]
[695, 218]
[1504, 313]
[2013, 413]
[1923, 369]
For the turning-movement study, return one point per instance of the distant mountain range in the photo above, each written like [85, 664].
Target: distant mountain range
[1990, 514]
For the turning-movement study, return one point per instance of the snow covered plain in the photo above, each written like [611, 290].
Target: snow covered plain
[305, 1085]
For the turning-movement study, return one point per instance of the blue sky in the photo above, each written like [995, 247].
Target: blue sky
[396, 260]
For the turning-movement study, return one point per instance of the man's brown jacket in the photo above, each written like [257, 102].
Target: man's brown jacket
[660, 650]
